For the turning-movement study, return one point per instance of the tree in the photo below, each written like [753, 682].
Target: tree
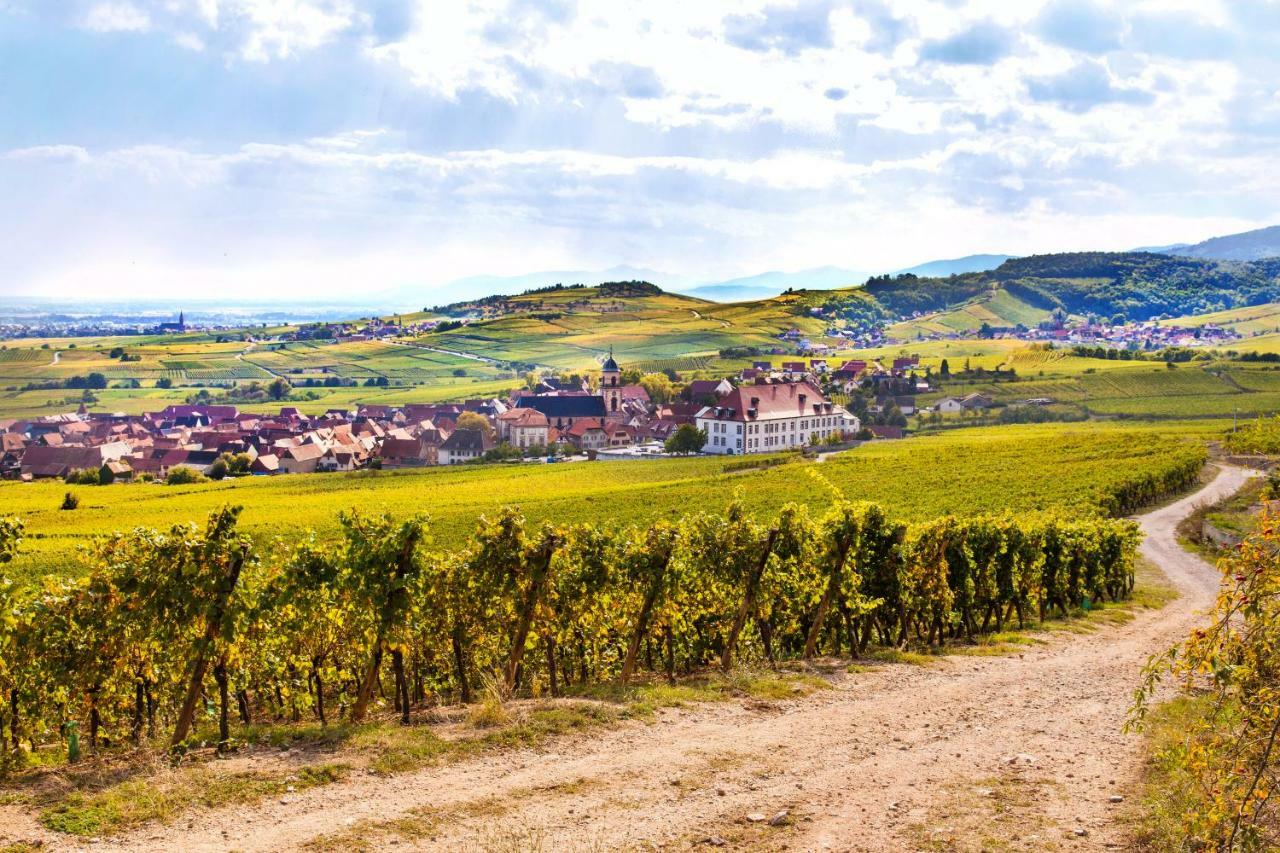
[685, 440]
[658, 386]
[164, 382]
[945, 369]
[892, 416]
[82, 477]
[476, 421]
[279, 388]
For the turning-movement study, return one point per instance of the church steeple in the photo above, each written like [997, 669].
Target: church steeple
[610, 382]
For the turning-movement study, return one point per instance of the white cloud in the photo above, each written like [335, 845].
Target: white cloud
[190, 41]
[278, 29]
[117, 16]
[713, 137]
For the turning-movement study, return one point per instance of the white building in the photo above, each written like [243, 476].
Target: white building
[771, 417]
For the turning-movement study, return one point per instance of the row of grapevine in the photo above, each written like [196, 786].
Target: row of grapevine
[167, 624]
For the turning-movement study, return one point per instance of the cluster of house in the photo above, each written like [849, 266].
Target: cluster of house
[1148, 335]
[835, 338]
[769, 412]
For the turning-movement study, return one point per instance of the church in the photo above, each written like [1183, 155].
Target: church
[610, 404]
[180, 326]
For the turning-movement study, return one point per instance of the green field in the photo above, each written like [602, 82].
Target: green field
[1142, 389]
[1251, 320]
[997, 308]
[967, 472]
[413, 374]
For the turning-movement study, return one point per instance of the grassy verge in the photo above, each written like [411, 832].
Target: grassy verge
[162, 796]
[1170, 791]
[97, 801]
[1235, 514]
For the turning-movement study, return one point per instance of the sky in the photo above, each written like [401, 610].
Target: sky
[307, 149]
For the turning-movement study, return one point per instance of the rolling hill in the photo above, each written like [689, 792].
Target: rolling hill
[769, 284]
[1137, 285]
[571, 327]
[1247, 246]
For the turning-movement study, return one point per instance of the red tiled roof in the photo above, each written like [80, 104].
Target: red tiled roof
[763, 402]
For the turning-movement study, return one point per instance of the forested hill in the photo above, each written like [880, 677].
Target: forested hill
[555, 293]
[1140, 285]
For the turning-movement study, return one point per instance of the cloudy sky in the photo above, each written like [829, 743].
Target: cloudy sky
[334, 147]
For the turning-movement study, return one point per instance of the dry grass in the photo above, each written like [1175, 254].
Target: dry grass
[999, 814]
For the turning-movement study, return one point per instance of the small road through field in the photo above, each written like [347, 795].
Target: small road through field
[1024, 748]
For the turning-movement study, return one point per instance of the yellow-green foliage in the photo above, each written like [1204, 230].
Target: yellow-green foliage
[961, 473]
[1224, 765]
[543, 606]
[1255, 436]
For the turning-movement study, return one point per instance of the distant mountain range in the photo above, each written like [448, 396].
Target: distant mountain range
[767, 284]
[956, 266]
[1248, 246]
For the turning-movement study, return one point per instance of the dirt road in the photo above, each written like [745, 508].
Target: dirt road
[1023, 748]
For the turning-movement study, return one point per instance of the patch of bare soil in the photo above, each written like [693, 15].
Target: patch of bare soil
[1017, 752]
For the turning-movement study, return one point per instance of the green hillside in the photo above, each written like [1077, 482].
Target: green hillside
[492, 341]
[570, 328]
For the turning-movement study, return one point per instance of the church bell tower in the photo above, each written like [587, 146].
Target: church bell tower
[611, 384]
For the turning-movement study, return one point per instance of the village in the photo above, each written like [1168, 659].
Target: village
[1147, 336]
[762, 409]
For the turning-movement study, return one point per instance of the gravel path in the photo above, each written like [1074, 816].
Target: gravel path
[1025, 749]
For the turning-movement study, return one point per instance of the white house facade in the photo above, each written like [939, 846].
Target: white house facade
[770, 417]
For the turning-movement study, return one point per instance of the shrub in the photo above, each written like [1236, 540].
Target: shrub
[83, 477]
[1226, 756]
[181, 475]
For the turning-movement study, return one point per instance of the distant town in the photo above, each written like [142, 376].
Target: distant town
[761, 409]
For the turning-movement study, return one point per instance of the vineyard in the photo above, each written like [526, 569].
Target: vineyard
[308, 627]
[998, 469]
[686, 364]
